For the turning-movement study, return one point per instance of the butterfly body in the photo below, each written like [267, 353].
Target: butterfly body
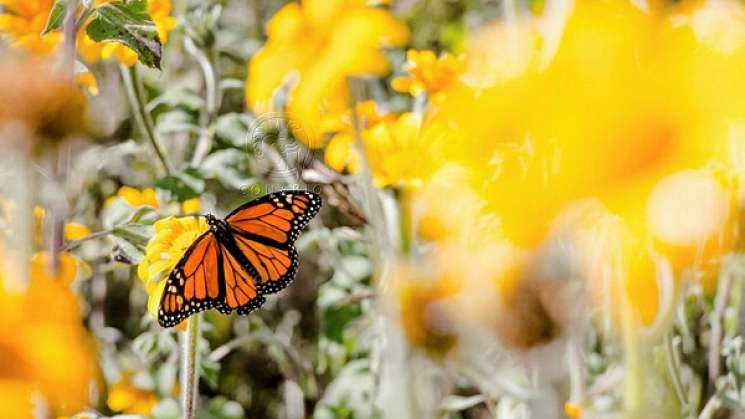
[240, 259]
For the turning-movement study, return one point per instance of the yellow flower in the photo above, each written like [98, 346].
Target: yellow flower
[76, 231]
[312, 48]
[67, 270]
[427, 73]
[405, 151]
[423, 311]
[191, 206]
[664, 99]
[340, 152]
[87, 80]
[45, 353]
[124, 397]
[401, 151]
[572, 410]
[135, 197]
[173, 236]
[22, 22]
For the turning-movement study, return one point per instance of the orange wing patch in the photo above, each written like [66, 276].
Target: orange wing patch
[239, 285]
[194, 284]
[278, 217]
[274, 267]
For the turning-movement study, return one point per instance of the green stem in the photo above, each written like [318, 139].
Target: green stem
[190, 367]
[673, 365]
[206, 63]
[137, 103]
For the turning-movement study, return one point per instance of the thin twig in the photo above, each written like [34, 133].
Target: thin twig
[136, 102]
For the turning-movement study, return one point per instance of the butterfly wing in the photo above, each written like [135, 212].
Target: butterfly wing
[241, 291]
[264, 231]
[194, 284]
[207, 276]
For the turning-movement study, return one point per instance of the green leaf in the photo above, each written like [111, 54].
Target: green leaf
[335, 320]
[129, 23]
[183, 186]
[56, 16]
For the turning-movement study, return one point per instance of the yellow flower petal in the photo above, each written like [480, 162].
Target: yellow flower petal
[67, 269]
[76, 231]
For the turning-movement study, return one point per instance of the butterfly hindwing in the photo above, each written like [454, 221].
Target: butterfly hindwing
[241, 292]
[264, 231]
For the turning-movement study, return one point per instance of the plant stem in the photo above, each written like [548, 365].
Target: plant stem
[137, 103]
[206, 63]
[75, 243]
[715, 338]
[674, 366]
[190, 367]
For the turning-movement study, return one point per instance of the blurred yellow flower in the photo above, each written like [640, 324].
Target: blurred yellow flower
[340, 153]
[423, 311]
[312, 48]
[191, 206]
[135, 197]
[67, 269]
[87, 80]
[22, 22]
[124, 397]
[405, 152]
[572, 410]
[401, 151]
[76, 231]
[173, 236]
[632, 109]
[46, 357]
[428, 73]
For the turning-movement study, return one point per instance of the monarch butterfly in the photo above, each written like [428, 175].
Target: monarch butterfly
[240, 259]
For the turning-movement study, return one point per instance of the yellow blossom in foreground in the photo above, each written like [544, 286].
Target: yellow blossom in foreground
[67, 269]
[312, 48]
[428, 73]
[124, 397]
[664, 95]
[22, 22]
[173, 236]
[45, 353]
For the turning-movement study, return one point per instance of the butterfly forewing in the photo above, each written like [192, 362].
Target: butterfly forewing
[194, 284]
[264, 231]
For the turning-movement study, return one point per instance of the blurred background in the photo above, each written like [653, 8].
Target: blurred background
[531, 207]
